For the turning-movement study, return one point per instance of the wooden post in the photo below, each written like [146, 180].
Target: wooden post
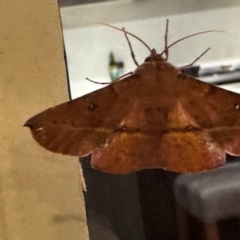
[39, 191]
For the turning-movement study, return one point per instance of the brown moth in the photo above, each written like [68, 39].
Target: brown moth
[155, 117]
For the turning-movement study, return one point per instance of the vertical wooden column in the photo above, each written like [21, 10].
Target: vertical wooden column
[40, 195]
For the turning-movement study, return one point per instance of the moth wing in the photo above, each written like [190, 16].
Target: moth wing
[215, 110]
[78, 127]
[202, 123]
[203, 126]
[179, 152]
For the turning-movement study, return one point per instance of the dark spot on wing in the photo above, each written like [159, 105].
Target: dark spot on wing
[92, 107]
[122, 128]
[182, 76]
[148, 110]
[211, 90]
[182, 130]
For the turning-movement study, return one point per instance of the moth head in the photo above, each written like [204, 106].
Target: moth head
[154, 57]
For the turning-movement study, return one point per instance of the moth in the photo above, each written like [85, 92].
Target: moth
[154, 117]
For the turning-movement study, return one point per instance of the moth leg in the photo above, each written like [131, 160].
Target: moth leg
[118, 79]
[166, 41]
[123, 76]
[191, 64]
[131, 49]
[97, 82]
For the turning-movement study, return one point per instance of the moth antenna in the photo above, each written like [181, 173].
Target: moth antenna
[97, 82]
[166, 40]
[191, 35]
[131, 49]
[124, 31]
[190, 65]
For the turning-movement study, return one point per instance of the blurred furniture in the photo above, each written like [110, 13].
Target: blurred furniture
[209, 196]
[137, 206]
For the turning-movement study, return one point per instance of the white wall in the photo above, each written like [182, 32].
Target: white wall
[88, 47]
